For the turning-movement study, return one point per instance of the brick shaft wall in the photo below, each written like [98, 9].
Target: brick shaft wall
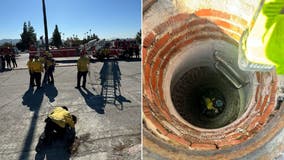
[169, 26]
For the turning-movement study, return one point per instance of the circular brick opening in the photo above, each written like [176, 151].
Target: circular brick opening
[207, 90]
[197, 90]
[202, 47]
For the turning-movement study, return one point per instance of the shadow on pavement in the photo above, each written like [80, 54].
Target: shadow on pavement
[51, 92]
[57, 150]
[110, 76]
[33, 99]
[93, 101]
[52, 155]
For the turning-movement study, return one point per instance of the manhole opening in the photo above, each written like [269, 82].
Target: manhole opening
[205, 98]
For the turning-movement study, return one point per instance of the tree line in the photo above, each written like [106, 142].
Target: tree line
[29, 38]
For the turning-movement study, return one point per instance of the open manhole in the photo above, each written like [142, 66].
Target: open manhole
[208, 90]
[194, 93]
[205, 98]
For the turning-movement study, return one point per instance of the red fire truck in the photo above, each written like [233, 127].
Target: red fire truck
[119, 48]
[62, 52]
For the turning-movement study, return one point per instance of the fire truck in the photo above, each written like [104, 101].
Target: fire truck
[118, 48]
[62, 52]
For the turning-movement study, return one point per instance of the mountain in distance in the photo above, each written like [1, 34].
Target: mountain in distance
[14, 41]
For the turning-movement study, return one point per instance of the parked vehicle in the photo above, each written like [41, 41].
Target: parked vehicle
[62, 52]
[119, 48]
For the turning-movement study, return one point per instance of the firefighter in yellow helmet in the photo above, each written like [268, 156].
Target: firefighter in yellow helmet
[82, 66]
[37, 68]
[29, 64]
[49, 66]
[60, 124]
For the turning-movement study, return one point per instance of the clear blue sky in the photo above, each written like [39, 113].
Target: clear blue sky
[107, 18]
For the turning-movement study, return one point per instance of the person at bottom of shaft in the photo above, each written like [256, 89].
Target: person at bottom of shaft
[82, 66]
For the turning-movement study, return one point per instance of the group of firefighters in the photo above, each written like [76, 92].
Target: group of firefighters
[60, 123]
[46, 63]
[37, 65]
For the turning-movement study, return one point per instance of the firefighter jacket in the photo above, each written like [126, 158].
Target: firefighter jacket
[50, 62]
[37, 66]
[82, 64]
[209, 104]
[42, 60]
[61, 117]
[29, 64]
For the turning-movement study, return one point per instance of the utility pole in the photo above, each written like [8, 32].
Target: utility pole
[45, 25]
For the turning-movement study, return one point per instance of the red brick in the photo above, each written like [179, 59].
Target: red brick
[146, 71]
[182, 17]
[228, 25]
[199, 21]
[157, 46]
[215, 13]
[166, 114]
[165, 50]
[151, 55]
[253, 123]
[158, 125]
[171, 54]
[178, 139]
[229, 143]
[156, 65]
[264, 103]
[144, 55]
[235, 136]
[266, 113]
[153, 78]
[153, 73]
[255, 129]
[146, 109]
[147, 92]
[146, 85]
[157, 101]
[172, 20]
[258, 100]
[182, 28]
[160, 82]
[162, 27]
[148, 40]
[162, 41]
[203, 146]
[204, 29]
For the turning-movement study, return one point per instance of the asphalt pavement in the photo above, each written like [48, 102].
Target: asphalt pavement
[108, 111]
